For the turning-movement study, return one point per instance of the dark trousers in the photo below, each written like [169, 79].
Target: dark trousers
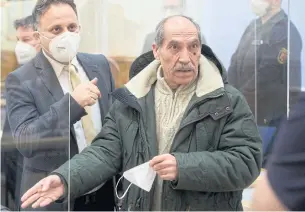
[11, 169]
[268, 150]
[101, 200]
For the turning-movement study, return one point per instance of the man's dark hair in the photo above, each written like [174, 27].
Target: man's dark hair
[43, 5]
[27, 22]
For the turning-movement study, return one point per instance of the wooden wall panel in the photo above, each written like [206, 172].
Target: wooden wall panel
[124, 64]
[8, 63]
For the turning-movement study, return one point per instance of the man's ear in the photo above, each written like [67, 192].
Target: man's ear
[36, 35]
[155, 49]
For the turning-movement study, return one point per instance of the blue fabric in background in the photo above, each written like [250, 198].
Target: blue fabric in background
[267, 134]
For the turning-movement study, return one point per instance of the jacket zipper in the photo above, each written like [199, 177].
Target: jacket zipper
[143, 139]
[142, 132]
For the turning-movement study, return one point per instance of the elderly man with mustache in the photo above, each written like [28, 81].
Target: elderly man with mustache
[182, 136]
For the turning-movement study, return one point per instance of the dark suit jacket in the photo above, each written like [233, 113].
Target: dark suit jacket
[11, 165]
[41, 116]
[11, 168]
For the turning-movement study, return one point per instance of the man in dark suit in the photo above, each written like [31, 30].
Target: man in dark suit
[57, 101]
[27, 44]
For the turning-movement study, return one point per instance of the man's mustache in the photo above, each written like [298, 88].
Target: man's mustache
[184, 68]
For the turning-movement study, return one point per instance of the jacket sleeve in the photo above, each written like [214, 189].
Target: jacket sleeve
[34, 131]
[234, 165]
[94, 165]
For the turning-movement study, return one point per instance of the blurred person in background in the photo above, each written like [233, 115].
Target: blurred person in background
[56, 102]
[282, 188]
[27, 44]
[182, 136]
[12, 161]
[170, 8]
[259, 67]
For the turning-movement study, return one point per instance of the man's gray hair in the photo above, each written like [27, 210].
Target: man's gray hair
[43, 5]
[160, 29]
[26, 22]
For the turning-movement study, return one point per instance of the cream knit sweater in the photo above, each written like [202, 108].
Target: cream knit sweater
[169, 109]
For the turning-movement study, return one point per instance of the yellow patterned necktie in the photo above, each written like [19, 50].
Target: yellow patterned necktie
[86, 120]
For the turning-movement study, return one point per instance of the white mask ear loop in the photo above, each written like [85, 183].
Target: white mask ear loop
[116, 189]
[41, 44]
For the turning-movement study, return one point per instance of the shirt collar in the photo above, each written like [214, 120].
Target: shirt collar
[58, 67]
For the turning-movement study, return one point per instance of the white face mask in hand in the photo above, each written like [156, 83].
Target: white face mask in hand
[142, 176]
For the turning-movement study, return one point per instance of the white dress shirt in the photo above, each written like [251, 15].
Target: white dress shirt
[63, 77]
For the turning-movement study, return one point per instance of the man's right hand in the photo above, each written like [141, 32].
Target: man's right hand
[86, 94]
[45, 192]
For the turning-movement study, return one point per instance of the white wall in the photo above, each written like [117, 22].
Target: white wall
[10, 12]
[123, 25]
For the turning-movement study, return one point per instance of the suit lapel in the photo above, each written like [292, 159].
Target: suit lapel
[93, 71]
[50, 80]
[48, 76]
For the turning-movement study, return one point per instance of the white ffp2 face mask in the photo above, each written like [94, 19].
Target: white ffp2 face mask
[142, 176]
[260, 7]
[64, 47]
[24, 52]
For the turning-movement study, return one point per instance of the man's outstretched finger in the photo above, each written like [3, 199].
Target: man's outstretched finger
[46, 201]
[38, 202]
[30, 200]
[35, 189]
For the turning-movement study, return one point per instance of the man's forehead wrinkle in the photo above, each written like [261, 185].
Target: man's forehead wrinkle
[184, 33]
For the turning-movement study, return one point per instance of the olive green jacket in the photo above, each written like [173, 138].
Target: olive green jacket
[217, 147]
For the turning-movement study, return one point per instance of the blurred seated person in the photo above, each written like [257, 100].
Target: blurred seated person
[12, 161]
[27, 45]
[170, 8]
